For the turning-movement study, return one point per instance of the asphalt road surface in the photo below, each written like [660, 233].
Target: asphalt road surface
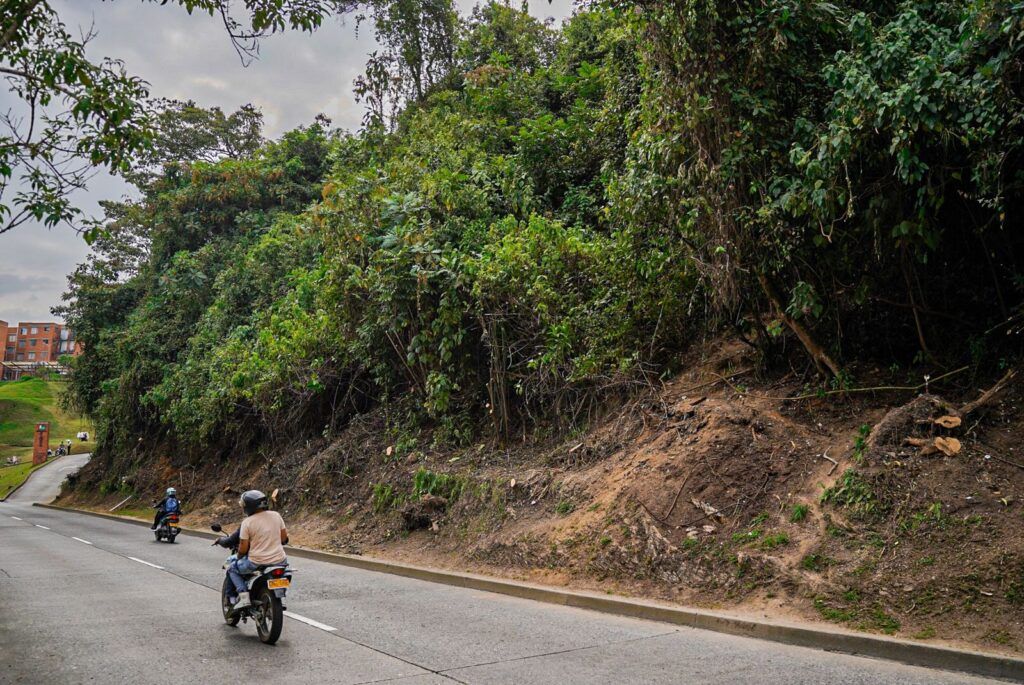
[87, 600]
[44, 484]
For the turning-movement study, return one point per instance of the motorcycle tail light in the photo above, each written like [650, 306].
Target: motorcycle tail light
[277, 572]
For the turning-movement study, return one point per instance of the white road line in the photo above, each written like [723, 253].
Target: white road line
[146, 563]
[81, 540]
[17, 519]
[310, 622]
[43, 527]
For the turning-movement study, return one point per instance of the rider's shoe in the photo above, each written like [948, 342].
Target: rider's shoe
[153, 527]
[243, 602]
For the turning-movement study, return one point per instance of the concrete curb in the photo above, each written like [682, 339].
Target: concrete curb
[911, 653]
[30, 474]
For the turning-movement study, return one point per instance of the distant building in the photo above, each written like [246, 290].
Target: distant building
[34, 343]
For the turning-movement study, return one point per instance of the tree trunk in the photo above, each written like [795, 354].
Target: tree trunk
[818, 354]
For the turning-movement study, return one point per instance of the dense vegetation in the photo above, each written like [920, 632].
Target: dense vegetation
[533, 219]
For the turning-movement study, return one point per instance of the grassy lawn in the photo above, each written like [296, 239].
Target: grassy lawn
[25, 403]
[13, 476]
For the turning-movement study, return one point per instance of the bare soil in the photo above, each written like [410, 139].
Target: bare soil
[717, 490]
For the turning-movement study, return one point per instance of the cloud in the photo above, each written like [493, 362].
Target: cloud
[186, 57]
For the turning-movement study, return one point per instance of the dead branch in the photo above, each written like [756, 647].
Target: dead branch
[990, 394]
[816, 351]
[835, 463]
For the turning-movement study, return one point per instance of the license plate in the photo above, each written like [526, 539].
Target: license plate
[278, 583]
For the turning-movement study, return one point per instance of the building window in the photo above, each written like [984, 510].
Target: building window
[32, 342]
[12, 338]
[21, 343]
[46, 341]
[35, 329]
[46, 329]
[10, 351]
[31, 356]
[20, 357]
[24, 331]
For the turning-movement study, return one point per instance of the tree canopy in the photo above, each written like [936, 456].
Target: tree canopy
[550, 217]
[75, 115]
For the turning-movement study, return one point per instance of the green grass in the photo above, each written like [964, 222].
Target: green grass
[27, 402]
[13, 476]
[799, 513]
[137, 512]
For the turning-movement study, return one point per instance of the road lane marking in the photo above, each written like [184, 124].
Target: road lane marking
[17, 519]
[81, 540]
[146, 563]
[43, 527]
[310, 622]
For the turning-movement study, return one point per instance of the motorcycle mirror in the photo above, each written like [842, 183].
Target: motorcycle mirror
[216, 528]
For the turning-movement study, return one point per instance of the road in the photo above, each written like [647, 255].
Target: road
[44, 484]
[89, 600]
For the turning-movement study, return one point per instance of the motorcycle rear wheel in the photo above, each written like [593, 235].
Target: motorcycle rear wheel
[230, 618]
[268, 614]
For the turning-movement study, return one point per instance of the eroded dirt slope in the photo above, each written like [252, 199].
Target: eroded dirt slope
[717, 490]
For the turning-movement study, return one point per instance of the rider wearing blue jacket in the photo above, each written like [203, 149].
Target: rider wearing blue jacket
[170, 504]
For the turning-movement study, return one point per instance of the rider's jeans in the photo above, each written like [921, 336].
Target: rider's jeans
[238, 568]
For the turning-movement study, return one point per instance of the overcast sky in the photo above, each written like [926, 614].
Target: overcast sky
[189, 57]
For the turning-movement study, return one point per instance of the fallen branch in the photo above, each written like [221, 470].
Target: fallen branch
[719, 379]
[877, 388]
[679, 492]
[817, 353]
[990, 394]
[835, 464]
[1007, 461]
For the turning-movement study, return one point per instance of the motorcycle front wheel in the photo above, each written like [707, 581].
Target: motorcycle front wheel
[268, 614]
[230, 618]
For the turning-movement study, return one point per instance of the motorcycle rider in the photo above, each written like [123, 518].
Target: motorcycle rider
[261, 540]
[170, 504]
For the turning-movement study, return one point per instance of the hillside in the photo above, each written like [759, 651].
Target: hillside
[719, 490]
[23, 404]
[624, 302]
[27, 402]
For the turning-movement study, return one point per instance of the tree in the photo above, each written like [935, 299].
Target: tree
[418, 40]
[184, 132]
[76, 116]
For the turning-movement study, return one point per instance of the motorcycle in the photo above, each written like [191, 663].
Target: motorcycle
[268, 586]
[169, 526]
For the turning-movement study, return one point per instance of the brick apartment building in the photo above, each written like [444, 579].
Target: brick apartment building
[34, 341]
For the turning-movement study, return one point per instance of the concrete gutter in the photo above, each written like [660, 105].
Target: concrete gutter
[802, 635]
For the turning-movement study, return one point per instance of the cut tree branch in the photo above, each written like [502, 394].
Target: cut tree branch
[990, 394]
[817, 352]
